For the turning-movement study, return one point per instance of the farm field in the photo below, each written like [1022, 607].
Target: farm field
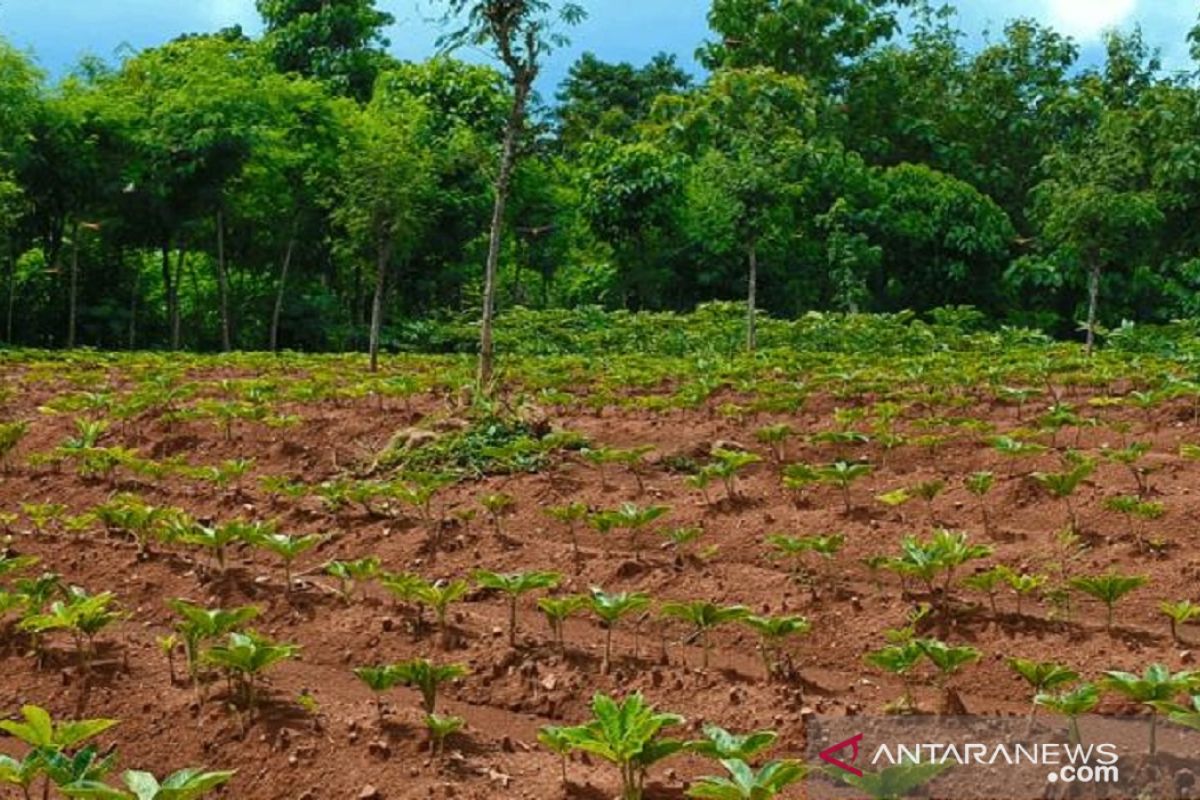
[814, 487]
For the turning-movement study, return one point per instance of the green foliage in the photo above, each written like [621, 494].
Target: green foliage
[746, 783]
[704, 616]
[727, 465]
[83, 615]
[245, 657]
[186, 784]
[1083, 699]
[336, 43]
[1042, 676]
[427, 677]
[776, 436]
[349, 573]
[816, 40]
[899, 660]
[610, 608]
[288, 549]
[772, 632]
[948, 659]
[721, 745]
[199, 625]
[843, 475]
[440, 728]
[627, 734]
[491, 445]
[514, 585]
[40, 731]
[11, 434]
[635, 519]
[1179, 613]
[439, 595]
[1063, 485]
[557, 610]
[940, 556]
[1108, 589]
[1156, 688]
[894, 782]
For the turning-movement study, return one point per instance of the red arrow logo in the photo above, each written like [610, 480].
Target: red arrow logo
[828, 757]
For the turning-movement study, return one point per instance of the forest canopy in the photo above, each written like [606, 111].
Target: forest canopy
[226, 192]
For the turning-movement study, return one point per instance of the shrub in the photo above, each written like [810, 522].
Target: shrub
[245, 657]
[610, 608]
[514, 585]
[704, 617]
[772, 632]
[627, 734]
[427, 677]
[746, 783]
[11, 434]
[1108, 589]
[1156, 686]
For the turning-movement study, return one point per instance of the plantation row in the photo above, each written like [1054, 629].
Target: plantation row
[920, 534]
[217, 642]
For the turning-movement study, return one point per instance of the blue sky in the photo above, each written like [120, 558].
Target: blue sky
[59, 31]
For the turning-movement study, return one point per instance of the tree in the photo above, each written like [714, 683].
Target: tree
[63, 169]
[469, 104]
[337, 41]
[943, 242]
[747, 135]
[20, 85]
[519, 33]
[192, 111]
[815, 39]
[631, 193]
[286, 192]
[386, 169]
[600, 99]
[1095, 209]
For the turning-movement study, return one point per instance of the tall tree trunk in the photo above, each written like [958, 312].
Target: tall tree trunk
[752, 300]
[171, 291]
[1093, 302]
[277, 312]
[223, 283]
[356, 301]
[177, 322]
[508, 158]
[12, 294]
[384, 256]
[133, 299]
[73, 287]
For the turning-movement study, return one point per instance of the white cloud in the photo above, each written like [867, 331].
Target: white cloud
[1087, 19]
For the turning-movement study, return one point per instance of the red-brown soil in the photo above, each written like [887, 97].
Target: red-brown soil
[287, 755]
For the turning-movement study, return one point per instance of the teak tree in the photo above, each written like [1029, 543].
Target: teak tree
[520, 33]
